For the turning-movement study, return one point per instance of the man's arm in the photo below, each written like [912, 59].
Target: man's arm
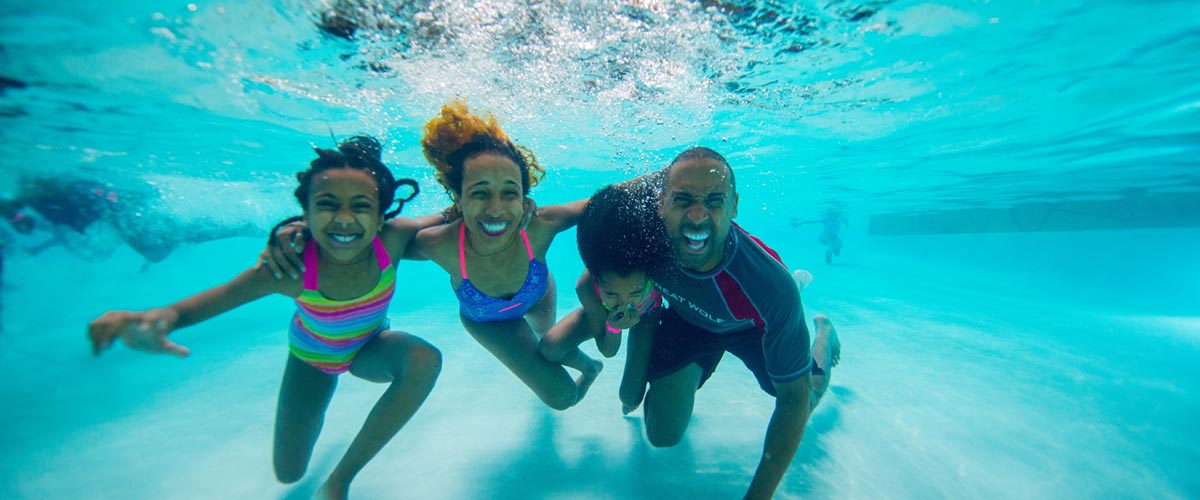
[783, 435]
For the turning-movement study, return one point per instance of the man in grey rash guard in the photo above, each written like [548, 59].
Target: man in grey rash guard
[727, 292]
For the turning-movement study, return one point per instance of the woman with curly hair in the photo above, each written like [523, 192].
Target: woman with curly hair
[496, 261]
[493, 246]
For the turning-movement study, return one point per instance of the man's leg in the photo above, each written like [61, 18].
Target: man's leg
[668, 405]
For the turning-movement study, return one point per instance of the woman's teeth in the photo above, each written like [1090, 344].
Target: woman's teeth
[344, 238]
[494, 228]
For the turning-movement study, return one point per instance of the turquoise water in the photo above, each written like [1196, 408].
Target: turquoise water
[980, 364]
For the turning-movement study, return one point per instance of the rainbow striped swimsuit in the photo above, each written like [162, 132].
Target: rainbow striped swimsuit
[327, 334]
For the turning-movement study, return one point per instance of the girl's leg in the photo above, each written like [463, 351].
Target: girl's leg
[303, 396]
[411, 366]
[514, 344]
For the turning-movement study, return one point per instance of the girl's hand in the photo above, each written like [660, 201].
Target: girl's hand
[624, 319]
[143, 331]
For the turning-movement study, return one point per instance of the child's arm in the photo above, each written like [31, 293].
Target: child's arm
[593, 310]
[147, 330]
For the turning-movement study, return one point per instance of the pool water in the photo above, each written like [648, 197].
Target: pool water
[976, 363]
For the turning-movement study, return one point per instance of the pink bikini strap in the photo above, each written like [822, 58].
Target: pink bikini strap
[528, 249]
[462, 252]
[310, 264]
[310, 261]
[381, 255]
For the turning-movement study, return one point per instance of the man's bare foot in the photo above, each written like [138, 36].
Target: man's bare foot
[832, 343]
[802, 279]
[826, 352]
[586, 377]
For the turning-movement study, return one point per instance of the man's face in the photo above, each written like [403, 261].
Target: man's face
[698, 205]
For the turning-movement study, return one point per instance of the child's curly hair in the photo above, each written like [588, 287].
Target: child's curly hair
[457, 136]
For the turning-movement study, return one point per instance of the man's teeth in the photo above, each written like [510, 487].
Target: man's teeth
[696, 240]
[494, 227]
[344, 238]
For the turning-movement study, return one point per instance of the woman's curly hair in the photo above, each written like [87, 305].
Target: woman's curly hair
[456, 136]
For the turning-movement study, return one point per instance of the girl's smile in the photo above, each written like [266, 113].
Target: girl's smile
[343, 213]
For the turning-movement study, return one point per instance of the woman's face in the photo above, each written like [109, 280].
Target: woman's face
[492, 201]
[343, 213]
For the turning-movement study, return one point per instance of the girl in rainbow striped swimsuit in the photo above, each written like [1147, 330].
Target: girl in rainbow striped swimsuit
[341, 320]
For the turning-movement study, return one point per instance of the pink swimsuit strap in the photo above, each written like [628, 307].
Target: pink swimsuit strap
[310, 261]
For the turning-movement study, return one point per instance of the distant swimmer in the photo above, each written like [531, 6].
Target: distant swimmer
[831, 226]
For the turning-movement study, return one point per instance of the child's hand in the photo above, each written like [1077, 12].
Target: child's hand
[624, 319]
[143, 331]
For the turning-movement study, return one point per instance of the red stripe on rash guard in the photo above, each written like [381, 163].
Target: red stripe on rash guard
[760, 243]
[737, 300]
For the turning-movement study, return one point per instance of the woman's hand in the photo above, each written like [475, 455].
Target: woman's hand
[284, 250]
[142, 331]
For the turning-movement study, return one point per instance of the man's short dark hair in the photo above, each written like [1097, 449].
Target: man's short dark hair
[703, 153]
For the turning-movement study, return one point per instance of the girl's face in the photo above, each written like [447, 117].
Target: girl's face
[343, 213]
[492, 201]
[619, 292]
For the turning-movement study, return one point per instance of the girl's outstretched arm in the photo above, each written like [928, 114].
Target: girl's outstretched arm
[147, 330]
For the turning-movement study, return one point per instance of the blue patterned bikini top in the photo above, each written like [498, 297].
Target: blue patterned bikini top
[482, 308]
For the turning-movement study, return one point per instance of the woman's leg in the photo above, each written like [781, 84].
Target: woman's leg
[514, 344]
[303, 396]
[411, 366]
[561, 345]
[541, 314]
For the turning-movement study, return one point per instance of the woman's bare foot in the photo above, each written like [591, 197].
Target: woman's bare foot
[586, 377]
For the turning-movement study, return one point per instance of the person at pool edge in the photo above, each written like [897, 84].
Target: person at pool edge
[727, 292]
